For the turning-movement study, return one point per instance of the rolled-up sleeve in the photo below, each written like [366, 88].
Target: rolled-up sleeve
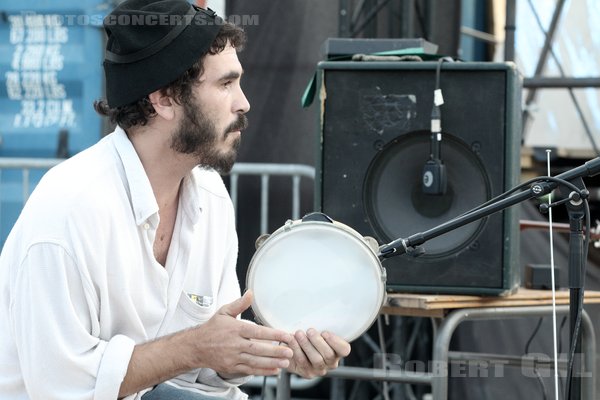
[54, 320]
[112, 369]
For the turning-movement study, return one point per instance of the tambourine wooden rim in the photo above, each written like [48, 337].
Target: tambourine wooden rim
[317, 273]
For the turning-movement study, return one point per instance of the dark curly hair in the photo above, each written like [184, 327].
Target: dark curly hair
[141, 111]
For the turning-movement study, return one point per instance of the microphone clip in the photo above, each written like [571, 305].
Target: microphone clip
[415, 251]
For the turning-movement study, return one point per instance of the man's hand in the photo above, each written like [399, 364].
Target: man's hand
[315, 354]
[225, 344]
[233, 347]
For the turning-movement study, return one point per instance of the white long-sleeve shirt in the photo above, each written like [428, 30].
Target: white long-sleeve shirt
[79, 284]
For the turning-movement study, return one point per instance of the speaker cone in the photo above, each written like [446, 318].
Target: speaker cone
[396, 206]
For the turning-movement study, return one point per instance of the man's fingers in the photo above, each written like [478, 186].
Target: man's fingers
[299, 357]
[259, 332]
[263, 362]
[238, 306]
[248, 370]
[314, 357]
[318, 352]
[265, 358]
[268, 349]
[326, 353]
[339, 345]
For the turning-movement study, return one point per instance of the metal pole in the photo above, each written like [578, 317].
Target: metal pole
[264, 203]
[509, 30]
[408, 15]
[371, 374]
[543, 57]
[540, 82]
[284, 390]
[344, 19]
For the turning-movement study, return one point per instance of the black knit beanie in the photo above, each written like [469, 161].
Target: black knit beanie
[151, 43]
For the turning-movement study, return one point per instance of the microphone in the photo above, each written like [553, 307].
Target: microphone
[434, 180]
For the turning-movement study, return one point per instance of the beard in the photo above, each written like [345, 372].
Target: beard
[198, 136]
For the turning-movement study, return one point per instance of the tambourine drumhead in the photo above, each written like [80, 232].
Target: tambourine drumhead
[316, 275]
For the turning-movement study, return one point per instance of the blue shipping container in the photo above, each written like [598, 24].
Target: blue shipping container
[50, 74]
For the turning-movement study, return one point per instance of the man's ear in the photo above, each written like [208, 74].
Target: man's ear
[163, 104]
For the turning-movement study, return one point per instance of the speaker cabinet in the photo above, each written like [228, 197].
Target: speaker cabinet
[375, 120]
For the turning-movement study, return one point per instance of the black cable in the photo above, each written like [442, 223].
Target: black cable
[520, 187]
[434, 176]
[527, 183]
[570, 361]
[541, 382]
[535, 331]
[562, 325]
[436, 114]
[438, 70]
[383, 349]
[421, 20]
[535, 370]
[264, 388]
[354, 389]
[579, 309]
[410, 344]
[413, 337]
[363, 360]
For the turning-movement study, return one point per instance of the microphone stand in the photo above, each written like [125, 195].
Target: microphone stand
[576, 213]
[576, 210]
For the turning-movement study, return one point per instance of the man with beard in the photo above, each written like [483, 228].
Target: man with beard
[118, 280]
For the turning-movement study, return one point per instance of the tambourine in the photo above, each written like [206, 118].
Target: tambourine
[317, 273]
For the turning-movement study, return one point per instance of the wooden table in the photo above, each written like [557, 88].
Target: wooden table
[449, 311]
[439, 305]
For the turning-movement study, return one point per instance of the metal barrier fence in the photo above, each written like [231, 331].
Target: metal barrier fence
[265, 171]
[295, 171]
[26, 165]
